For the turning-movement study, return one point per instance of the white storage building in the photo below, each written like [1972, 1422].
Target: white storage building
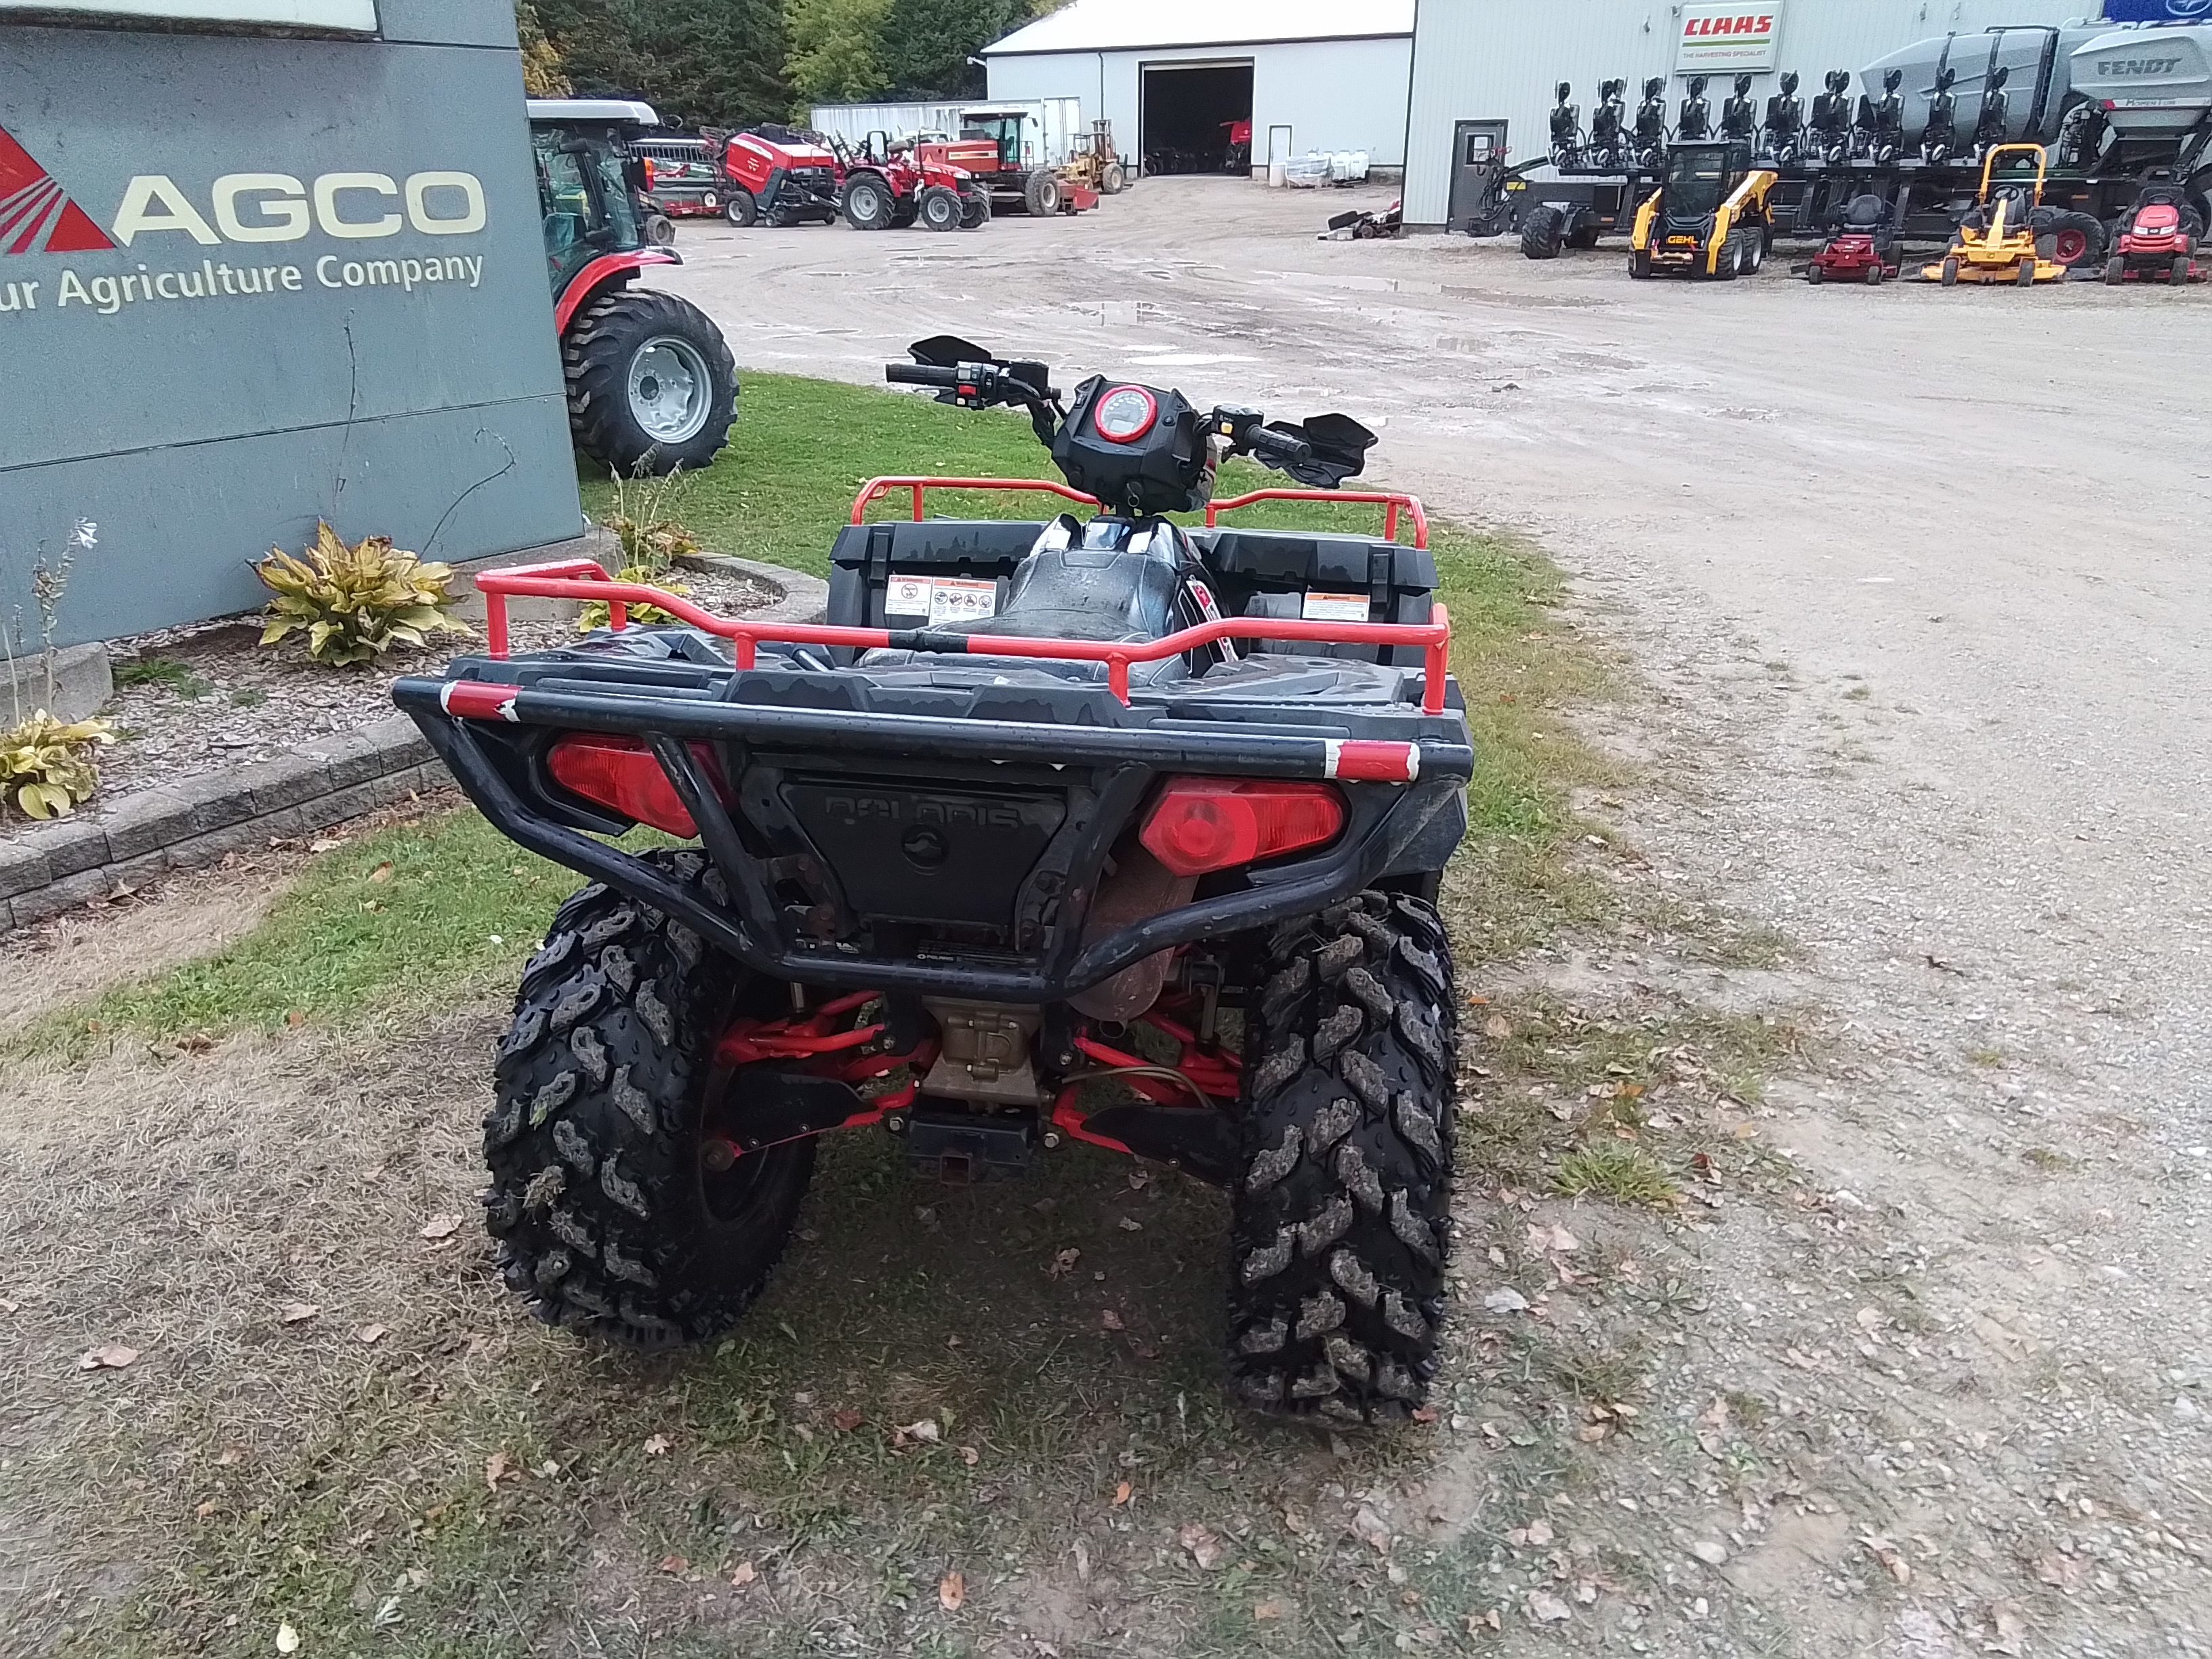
[1481, 64]
[1174, 76]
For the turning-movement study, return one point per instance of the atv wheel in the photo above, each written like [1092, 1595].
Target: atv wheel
[1040, 193]
[1543, 233]
[942, 208]
[1950, 276]
[609, 1215]
[1341, 1216]
[1112, 181]
[652, 384]
[742, 208]
[867, 204]
[2116, 271]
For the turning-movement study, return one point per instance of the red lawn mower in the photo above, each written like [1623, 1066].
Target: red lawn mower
[1862, 246]
[2156, 237]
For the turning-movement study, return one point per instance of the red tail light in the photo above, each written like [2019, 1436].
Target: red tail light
[1216, 824]
[623, 774]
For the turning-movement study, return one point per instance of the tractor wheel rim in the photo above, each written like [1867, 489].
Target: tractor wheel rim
[671, 390]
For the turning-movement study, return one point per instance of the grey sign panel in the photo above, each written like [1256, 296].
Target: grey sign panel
[247, 281]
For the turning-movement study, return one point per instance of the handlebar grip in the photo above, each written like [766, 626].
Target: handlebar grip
[921, 374]
[1280, 444]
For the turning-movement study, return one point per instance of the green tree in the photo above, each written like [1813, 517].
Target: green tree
[834, 50]
[542, 76]
[701, 62]
[927, 44]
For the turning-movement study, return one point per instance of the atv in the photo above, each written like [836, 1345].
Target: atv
[651, 383]
[2157, 237]
[1097, 829]
[1709, 216]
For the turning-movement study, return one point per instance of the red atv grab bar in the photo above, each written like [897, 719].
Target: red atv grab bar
[582, 579]
[1391, 501]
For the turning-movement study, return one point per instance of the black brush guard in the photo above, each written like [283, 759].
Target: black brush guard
[464, 717]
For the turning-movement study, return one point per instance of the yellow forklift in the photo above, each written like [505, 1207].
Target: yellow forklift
[1708, 217]
[1995, 241]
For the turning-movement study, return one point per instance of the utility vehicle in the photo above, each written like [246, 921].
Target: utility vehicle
[1707, 218]
[1095, 830]
[652, 384]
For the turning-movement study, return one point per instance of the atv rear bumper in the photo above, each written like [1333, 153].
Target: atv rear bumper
[493, 722]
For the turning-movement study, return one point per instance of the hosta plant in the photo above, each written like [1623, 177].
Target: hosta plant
[45, 765]
[357, 602]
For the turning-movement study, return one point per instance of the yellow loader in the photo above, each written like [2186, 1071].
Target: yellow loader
[1708, 217]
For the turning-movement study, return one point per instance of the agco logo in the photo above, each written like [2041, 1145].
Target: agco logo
[262, 210]
[1743, 25]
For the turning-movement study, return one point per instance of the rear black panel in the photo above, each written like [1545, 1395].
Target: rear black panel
[924, 854]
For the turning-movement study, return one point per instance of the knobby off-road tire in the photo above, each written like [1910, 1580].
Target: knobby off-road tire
[606, 1219]
[601, 356]
[1543, 233]
[1342, 1212]
[1040, 193]
[941, 209]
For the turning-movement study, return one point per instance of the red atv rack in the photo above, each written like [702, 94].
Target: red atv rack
[582, 579]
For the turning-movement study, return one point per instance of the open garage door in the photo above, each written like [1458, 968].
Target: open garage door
[1197, 118]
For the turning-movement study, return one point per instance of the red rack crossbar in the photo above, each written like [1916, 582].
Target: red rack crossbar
[876, 488]
[581, 579]
[1388, 500]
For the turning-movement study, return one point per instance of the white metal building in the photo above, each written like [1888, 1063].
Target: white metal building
[1479, 62]
[1173, 76]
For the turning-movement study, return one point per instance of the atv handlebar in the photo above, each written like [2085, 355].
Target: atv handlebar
[921, 374]
[1260, 440]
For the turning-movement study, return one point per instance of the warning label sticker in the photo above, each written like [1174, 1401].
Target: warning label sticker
[940, 599]
[1335, 607]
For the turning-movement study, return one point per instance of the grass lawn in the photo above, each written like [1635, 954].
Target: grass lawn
[412, 1468]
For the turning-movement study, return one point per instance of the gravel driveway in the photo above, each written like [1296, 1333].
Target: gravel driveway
[1910, 579]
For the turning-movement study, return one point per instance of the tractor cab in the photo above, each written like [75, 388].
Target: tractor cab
[590, 182]
[1709, 215]
[1012, 131]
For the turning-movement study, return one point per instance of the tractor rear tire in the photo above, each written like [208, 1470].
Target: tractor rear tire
[607, 1216]
[1341, 1211]
[1543, 232]
[868, 204]
[651, 385]
[2116, 271]
[1113, 180]
[1040, 193]
[941, 209]
[743, 207]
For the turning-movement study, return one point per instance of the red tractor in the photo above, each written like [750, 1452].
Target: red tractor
[2157, 236]
[651, 385]
[889, 184]
[781, 176]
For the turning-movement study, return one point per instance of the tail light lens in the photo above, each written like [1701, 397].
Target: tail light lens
[650, 172]
[1202, 824]
[620, 774]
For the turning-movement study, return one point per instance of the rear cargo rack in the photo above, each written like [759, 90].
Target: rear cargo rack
[1391, 501]
[583, 579]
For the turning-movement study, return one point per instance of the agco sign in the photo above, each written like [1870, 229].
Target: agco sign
[261, 210]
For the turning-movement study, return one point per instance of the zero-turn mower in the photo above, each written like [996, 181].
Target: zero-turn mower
[1709, 216]
[1995, 241]
[1863, 247]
